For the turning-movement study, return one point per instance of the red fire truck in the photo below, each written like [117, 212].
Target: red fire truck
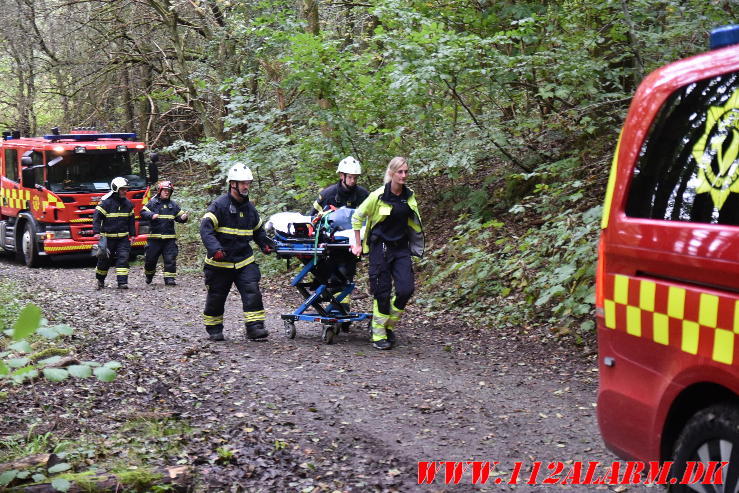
[667, 287]
[50, 185]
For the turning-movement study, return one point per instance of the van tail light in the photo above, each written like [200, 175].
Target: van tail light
[600, 274]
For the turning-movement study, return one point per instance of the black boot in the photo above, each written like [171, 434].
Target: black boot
[149, 278]
[381, 344]
[169, 281]
[101, 284]
[122, 285]
[256, 330]
[391, 338]
[215, 332]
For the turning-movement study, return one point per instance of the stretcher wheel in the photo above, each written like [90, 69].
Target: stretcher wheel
[289, 329]
[328, 334]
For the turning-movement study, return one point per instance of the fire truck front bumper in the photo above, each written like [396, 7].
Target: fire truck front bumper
[69, 246]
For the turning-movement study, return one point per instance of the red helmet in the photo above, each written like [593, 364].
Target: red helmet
[165, 184]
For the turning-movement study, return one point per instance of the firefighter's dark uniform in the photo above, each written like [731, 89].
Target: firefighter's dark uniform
[341, 265]
[162, 238]
[338, 196]
[113, 219]
[229, 226]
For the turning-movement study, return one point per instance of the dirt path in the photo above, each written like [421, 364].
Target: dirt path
[302, 414]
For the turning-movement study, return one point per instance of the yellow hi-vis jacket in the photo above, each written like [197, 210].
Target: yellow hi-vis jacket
[375, 210]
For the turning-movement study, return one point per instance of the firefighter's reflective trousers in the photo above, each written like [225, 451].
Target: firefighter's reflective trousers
[167, 248]
[389, 264]
[219, 281]
[120, 249]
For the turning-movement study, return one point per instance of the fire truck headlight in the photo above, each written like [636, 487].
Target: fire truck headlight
[58, 148]
[58, 232]
[121, 148]
[80, 150]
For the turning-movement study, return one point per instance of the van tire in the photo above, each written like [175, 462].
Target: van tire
[702, 438]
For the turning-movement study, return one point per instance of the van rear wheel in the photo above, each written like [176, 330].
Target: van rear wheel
[711, 435]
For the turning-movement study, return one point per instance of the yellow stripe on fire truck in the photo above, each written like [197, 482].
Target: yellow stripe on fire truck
[69, 248]
[692, 320]
[15, 199]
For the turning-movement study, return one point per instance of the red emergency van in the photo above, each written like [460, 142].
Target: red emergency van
[667, 288]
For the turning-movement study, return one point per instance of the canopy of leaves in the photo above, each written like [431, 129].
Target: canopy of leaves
[492, 101]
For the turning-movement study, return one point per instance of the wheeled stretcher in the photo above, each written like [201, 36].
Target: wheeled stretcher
[297, 236]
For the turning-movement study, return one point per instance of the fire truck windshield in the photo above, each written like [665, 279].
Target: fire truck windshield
[94, 170]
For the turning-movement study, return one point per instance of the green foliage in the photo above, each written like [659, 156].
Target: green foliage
[9, 305]
[140, 441]
[497, 107]
[19, 365]
[544, 272]
[138, 479]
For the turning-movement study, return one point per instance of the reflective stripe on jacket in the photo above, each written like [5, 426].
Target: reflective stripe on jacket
[375, 210]
[169, 211]
[229, 226]
[114, 217]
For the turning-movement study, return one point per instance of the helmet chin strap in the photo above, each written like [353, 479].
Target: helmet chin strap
[348, 187]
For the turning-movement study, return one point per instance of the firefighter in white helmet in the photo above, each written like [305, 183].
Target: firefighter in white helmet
[226, 229]
[342, 265]
[114, 222]
[345, 192]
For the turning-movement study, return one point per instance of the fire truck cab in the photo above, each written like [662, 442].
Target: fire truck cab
[667, 286]
[50, 186]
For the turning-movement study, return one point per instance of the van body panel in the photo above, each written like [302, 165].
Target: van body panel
[669, 318]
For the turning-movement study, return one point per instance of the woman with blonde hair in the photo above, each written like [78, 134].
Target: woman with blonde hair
[392, 235]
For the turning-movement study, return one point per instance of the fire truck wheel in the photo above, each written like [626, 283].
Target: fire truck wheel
[711, 434]
[29, 246]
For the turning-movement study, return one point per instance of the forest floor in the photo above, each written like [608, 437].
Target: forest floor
[301, 415]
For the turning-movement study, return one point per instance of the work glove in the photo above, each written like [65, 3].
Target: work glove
[101, 249]
[219, 255]
[268, 247]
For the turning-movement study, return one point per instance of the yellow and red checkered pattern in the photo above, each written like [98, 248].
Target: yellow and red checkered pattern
[52, 200]
[695, 321]
[14, 198]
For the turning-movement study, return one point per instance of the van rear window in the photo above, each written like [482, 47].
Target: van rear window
[688, 167]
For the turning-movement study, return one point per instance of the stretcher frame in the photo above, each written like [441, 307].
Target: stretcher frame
[327, 307]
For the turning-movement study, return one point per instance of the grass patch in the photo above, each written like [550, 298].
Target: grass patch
[49, 352]
[9, 305]
[17, 447]
[157, 428]
[138, 479]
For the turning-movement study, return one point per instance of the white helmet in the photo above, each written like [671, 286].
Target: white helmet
[118, 183]
[350, 166]
[239, 172]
